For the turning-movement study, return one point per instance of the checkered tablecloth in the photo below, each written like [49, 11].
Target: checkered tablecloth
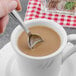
[34, 11]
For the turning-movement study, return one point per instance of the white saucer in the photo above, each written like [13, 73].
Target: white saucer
[8, 64]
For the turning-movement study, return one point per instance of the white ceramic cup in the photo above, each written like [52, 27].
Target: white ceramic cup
[47, 65]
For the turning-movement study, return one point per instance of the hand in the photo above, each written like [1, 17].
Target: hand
[6, 6]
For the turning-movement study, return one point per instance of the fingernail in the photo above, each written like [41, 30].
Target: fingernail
[12, 5]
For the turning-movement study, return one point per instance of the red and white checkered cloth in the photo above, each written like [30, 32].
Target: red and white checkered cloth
[34, 11]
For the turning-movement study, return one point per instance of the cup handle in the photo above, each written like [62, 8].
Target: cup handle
[70, 48]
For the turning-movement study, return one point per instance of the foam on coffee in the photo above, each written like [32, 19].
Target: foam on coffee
[51, 41]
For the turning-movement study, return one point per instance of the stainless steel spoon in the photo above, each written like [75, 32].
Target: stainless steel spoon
[33, 39]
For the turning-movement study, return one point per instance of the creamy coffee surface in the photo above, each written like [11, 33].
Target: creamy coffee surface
[50, 44]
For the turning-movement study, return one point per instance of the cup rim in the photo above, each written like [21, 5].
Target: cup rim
[17, 50]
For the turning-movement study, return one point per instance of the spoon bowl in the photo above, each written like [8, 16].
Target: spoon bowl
[33, 40]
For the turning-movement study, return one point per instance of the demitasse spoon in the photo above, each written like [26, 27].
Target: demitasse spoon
[33, 39]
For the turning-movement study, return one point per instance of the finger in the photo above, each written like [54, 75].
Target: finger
[18, 5]
[7, 6]
[3, 23]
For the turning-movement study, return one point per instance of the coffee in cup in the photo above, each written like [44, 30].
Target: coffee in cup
[50, 44]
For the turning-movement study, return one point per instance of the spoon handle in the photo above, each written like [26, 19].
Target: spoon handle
[18, 19]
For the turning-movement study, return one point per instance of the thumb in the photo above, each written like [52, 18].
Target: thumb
[7, 6]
